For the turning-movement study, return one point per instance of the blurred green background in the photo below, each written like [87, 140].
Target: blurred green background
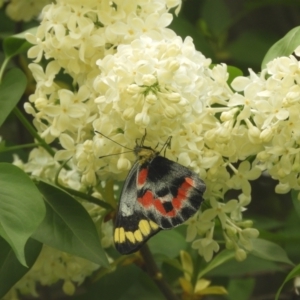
[238, 33]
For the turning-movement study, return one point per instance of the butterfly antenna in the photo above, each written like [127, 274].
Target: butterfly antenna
[114, 154]
[166, 145]
[114, 142]
[141, 144]
[144, 137]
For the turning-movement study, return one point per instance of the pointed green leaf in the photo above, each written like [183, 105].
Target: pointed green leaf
[240, 288]
[233, 73]
[22, 208]
[68, 227]
[15, 45]
[114, 285]
[252, 264]
[284, 47]
[294, 273]
[11, 271]
[12, 88]
[219, 259]
[270, 251]
[168, 243]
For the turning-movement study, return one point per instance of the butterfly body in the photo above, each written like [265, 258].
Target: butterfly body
[157, 194]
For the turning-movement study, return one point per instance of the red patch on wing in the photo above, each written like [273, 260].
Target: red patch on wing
[182, 194]
[142, 177]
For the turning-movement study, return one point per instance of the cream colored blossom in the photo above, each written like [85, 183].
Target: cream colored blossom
[51, 266]
[24, 10]
[132, 76]
[70, 32]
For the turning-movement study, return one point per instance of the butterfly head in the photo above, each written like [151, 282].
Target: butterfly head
[144, 154]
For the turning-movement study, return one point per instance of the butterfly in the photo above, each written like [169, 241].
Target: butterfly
[158, 194]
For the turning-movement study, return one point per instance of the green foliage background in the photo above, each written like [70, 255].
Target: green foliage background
[238, 33]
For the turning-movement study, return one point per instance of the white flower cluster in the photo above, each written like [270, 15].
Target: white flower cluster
[24, 10]
[260, 121]
[273, 103]
[52, 266]
[147, 79]
[130, 75]
[76, 35]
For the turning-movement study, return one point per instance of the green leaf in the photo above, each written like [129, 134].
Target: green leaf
[12, 88]
[233, 73]
[68, 227]
[11, 271]
[242, 48]
[284, 47]
[294, 273]
[168, 243]
[296, 202]
[270, 251]
[218, 260]
[240, 288]
[184, 28]
[144, 288]
[22, 208]
[15, 45]
[250, 265]
[113, 285]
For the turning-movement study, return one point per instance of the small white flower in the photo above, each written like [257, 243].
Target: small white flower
[206, 247]
[244, 173]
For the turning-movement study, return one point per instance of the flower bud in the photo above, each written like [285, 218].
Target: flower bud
[134, 89]
[282, 188]
[174, 97]
[151, 99]
[149, 80]
[68, 287]
[228, 115]
[142, 119]
[29, 109]
[128, 113]
[240, 254]
[266, 135]
[229, 244]
[251, 233]
[231, 231]
[173, 66]
[123, 164]
[170, 112]
[246, 224]
[40, 103]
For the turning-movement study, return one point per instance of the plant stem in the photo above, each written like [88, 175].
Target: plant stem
[4, 64]
[19, 147]
[32, 131]
[156, 274]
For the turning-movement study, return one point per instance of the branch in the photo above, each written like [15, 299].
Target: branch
[156, 274]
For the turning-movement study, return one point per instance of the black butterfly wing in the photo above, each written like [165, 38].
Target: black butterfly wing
[132, 227]
[168, 193]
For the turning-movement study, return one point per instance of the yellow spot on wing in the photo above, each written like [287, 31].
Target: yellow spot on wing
[130, 236]
[144, 227]
[116, 235]
[153, 225]
[138, 236]
[122, 237]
